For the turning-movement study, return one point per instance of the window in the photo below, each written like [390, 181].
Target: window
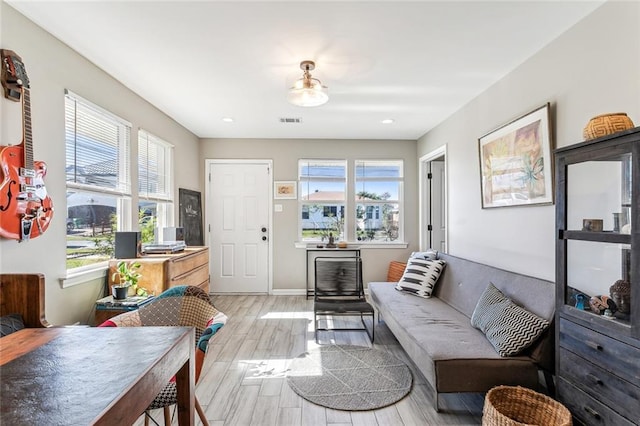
[378, 190]
[155, 206]
[98, 180]
[323, 185]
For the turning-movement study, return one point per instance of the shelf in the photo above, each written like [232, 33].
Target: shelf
[604, 236]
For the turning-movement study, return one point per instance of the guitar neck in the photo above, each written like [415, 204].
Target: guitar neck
[27, 137]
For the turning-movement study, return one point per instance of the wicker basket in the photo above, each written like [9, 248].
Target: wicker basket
[515, 405]
[606, 124]
[395, 271]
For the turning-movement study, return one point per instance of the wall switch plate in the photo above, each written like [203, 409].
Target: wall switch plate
[277, 207]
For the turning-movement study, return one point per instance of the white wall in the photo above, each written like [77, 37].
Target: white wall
[53, 67]
[288, 261]
[591, 69]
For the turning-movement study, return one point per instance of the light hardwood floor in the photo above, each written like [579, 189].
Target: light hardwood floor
[243, 380]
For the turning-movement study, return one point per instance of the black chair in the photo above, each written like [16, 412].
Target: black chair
[339, 292]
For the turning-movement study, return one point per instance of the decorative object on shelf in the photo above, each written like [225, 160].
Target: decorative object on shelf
[308, 91]
[285, 190]
[616, 222]
[581, 302]
[593, 225]
[515, 162]
[626, 229]
[343, 244]
[606, 124]
[599, 304]
[620, 293]
[332, 241]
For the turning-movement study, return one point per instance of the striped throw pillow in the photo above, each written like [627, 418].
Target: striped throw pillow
[420, 276]
[509, 327]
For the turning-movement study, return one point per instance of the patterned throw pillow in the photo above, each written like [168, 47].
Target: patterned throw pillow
[420, 276]
[509, 327]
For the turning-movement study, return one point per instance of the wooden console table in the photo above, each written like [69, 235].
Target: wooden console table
[103, 376]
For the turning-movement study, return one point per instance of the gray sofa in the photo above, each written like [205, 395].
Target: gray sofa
[438, 336]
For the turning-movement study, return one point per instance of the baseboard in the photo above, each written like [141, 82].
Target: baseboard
[289, 292]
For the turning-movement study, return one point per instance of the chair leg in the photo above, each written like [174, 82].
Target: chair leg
[167, 415]
[146, 419]
[203, 417]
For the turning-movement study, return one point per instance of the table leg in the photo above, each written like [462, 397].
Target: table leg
[185, 385]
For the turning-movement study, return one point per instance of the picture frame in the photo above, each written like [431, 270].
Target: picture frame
[285, 190]
[516, 165]
[190, 216]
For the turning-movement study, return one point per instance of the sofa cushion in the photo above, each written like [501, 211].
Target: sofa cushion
[509, 327]
[420, 276]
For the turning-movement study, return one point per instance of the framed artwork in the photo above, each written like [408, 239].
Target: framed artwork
[285, 189]
[190, 212]
[516, 168]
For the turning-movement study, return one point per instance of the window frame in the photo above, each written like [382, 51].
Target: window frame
[341, 205]
[378, 205]
[121, 191]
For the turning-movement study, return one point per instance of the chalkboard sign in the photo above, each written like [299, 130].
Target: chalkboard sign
[191, 216]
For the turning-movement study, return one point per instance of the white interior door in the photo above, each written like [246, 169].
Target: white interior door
[238, 209]
[437, 207]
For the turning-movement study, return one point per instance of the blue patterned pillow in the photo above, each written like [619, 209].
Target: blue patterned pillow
[10, 324]
[420, 276]
[509, 327]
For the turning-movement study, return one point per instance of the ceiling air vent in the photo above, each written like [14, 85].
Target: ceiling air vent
[290, 120]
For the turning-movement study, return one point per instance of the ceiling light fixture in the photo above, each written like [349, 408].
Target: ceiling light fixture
[387, 121]
[227, 119]
[308, 91]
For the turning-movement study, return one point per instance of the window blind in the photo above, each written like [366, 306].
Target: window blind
[97, 148]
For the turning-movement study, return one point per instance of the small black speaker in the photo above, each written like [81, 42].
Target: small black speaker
[128, 245]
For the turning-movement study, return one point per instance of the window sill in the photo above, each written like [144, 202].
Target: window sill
[84, 276]
[360, 245]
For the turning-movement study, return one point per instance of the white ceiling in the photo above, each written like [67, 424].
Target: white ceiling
[415, 62]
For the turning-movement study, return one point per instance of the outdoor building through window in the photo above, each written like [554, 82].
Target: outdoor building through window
[98, 180]
[323, 185]
[375, 197]
[378, 193]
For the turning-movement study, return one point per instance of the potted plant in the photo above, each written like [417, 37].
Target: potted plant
[127, 275]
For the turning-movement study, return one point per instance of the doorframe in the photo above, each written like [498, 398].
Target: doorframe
[424, 195]
[207, 179]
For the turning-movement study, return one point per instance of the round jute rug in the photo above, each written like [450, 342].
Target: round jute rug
[353, 378]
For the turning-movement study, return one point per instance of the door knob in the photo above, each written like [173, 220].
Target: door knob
[264, 229]
[264, 238]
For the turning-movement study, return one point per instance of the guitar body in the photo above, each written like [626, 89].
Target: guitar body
[25, 213]
[25, 208]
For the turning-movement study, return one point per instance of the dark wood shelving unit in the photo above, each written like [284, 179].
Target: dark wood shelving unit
[598, 356]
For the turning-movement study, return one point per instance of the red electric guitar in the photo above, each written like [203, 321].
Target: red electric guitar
[25, 208]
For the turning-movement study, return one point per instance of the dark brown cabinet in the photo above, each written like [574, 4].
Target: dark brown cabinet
[598, 279]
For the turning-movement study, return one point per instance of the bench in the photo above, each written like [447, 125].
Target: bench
[23, 294]
[438, 336]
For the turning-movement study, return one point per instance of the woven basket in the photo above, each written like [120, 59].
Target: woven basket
[606, 124]
[515, 405]
[395, 272]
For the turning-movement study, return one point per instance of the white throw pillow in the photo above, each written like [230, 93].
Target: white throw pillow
[420, 276]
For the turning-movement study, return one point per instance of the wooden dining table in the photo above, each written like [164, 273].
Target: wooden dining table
[86, 376]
